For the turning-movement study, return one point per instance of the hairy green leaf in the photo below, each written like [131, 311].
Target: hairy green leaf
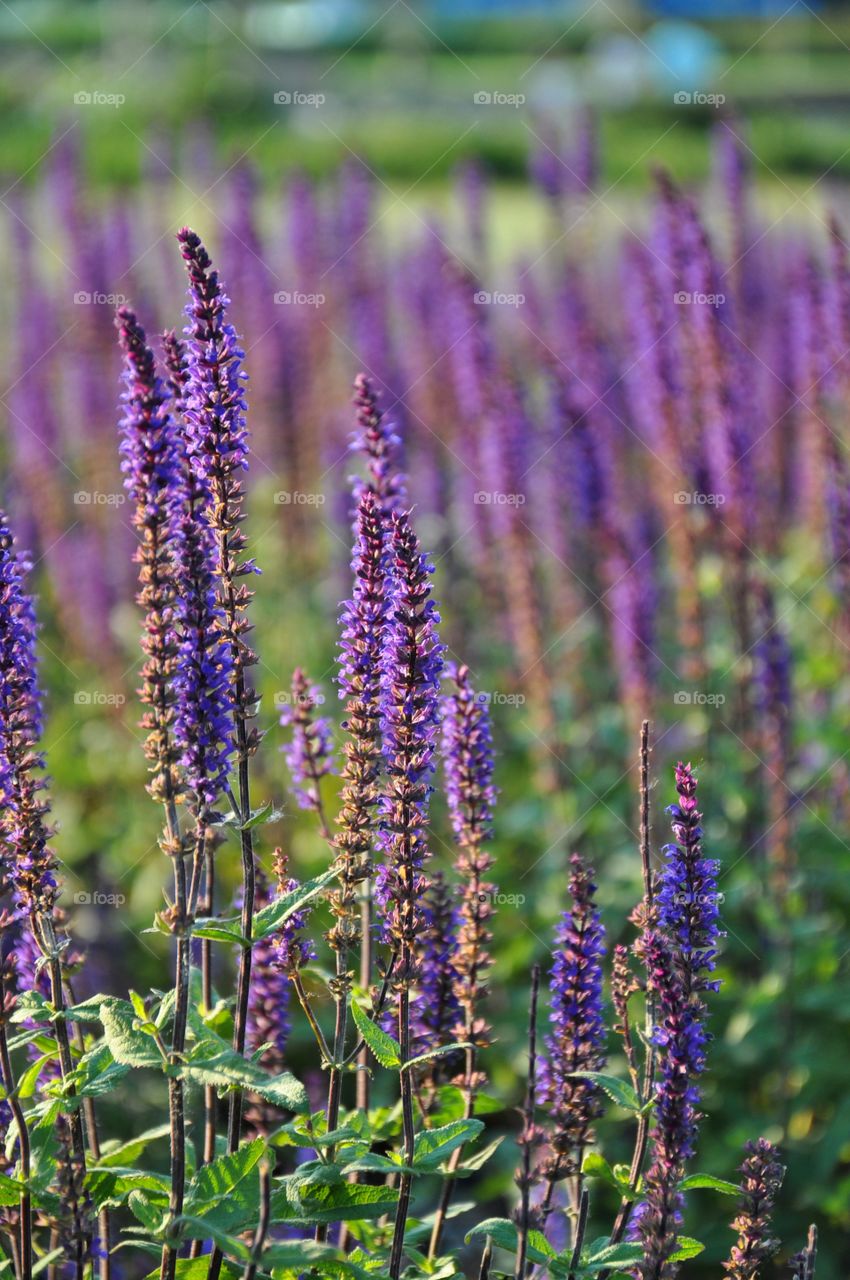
[386, 1050]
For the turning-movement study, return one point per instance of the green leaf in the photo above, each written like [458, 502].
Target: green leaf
[270, 918]
[197, 1268]
[187, 1227]
[432, 1146]
[343, 1202]
[44, 1262]
[595, 1165]
[222, 1176]
[213, 930]
[128, 1045]
[436, 1053]
[479, 1158]
[10, 1190]
[619, 1091]
[695, 1181]
[386, 1050]
[503, 1233]
[601, 1255]
[112, 1187]
[212, 1061]
[151, 1216]
[686, 1247]
[129, 1152]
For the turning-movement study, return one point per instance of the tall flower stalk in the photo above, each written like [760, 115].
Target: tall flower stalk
[467, 751]
[218, 449]
[761, 1178]
[24, 829]
[411, 669]
[576, 1041]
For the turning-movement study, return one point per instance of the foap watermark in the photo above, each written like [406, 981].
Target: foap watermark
[97, 98]
[286, 698]
[696, 98]
[297, 498]
[94, 498]
[699, 899]
[695, 698]
[495, 498]
[685, 299]
[495, 98]
[503, 899]
[296, 98]
[695, 498]
[293, 298]
[98, 698]
[82, 298]
[83, 898]
[486, 298]
[494, 698]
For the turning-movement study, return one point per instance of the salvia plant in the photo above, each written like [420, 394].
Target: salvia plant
[362, 1163]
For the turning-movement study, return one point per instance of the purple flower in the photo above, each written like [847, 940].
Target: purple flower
[150, 460]
[761, 1178]
[214, 409]
[203, 728]
[434, 1007]
[268, 1022]
[467, 751]
[22, 810]
[380, 445]
[363, 622]
[577, 1039]
[410, 677]
[309, 755]
[680, 1040]
[291, 951]
[687, 893]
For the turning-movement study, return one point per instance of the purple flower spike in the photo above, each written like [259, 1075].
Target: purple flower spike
[309, 755]
[151, 464]
[411, 668]
[577, 1040]
[467, 749]
[291, 951]
[687, 894]
[214, 409]
[434, 1008]
[22, 810]
[680, 1041]
[761, 1178]
[380, 445]
[203, 727]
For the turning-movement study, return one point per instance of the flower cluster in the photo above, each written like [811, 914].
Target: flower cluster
[309, 754]
[434, 1008]
[761, 1178]
[687, 894]
[23, 825]
[577, 1039]
[410, 678]
[379, 443]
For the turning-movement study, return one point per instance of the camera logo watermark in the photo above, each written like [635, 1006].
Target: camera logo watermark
[294, 98]
[97, 98]
[697, 99]
[97, 698]
[497, 699]
[694, 698]
[82, 298]
[286, 698]
[98, 899]
[484, 298]
[694, 498]
[286, 298]
[685, 299]
[296, 498]
[485, 98]
[495, 498]
[93, 498]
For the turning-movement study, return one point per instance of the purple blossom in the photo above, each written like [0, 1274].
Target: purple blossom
[410, 677]
[761, 1178]
[680, 1040]
[309, 754]
[290, 950]
[434, 1006]
[577, 1039]
[31, 864]
[687, 893]
[380, 445]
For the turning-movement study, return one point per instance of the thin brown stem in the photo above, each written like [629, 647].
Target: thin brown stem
[528, 1132]
[23, 1266]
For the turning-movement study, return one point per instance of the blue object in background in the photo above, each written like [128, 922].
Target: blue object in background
[729, 8]
[685, 55]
